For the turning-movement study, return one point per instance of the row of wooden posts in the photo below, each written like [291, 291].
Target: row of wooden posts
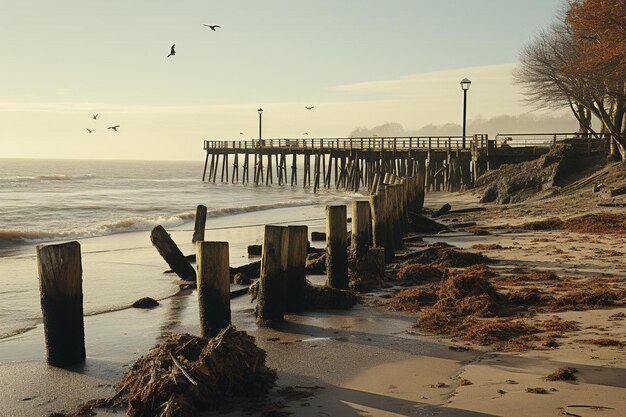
[444, 170]
[379, 222]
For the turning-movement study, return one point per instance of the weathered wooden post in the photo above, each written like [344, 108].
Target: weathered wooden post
[361, 222]
[270, 308]
[296, 263]
[167, 248]
[379, 228]
[337, 247]
[212, 260]
[61, 291]
[198, 230]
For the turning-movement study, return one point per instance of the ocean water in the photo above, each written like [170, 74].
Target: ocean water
[110, 208]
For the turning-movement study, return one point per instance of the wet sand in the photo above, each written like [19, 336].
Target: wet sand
[367, 361]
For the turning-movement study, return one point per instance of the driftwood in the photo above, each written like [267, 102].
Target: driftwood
[612, 205]
[442, 210]
[168, 250]
[252, 270]
[613, 192]
[422, 224]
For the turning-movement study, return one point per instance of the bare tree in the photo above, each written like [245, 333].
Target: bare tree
[551, 77]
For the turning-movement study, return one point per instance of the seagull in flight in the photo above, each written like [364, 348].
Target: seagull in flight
[113, 127]
[89, 130]
[309, 107]
[241, 133]
[212, 27]
[306, 133]
[95, 116]
[172, 51]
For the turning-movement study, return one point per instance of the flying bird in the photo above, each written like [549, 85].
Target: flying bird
[241, 133]
[212, 27]
[113, 127]
[306, 133]
[309, 107]
[172, 51]
[95, 116]
[89, 130]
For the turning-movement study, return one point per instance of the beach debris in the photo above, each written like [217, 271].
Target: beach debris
[186, 373]
[537, 390]
[255, 250]
[253, 270]
[422, 224]
[442, 210]
[412, 299]
[145, 302]
[326, 298]
[416, 272]
[598, 223]
[463, 381]
[613, 192]
[563, 374]
[448, 257]
[170, 252]
[318, 236]
[605, 342]
[459, 348]
[241, 278]
[490, 246]
[439, 385]
[298, 393]
[316, 263]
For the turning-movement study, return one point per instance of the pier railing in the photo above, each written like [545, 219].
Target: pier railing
[356, 143]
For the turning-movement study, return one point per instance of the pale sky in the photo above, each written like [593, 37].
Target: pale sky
[359, 62]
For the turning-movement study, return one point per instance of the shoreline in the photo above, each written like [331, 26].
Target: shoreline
[365, 361]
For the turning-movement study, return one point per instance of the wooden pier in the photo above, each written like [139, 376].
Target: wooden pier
[449, 162]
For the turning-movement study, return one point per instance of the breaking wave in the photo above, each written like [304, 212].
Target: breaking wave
[10, 238]
[50, 177]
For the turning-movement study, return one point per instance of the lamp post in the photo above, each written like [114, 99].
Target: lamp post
[465, 85]
[260, 116]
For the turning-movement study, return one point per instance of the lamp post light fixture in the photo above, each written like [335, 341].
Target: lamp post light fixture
[260, 115]
[465, 85]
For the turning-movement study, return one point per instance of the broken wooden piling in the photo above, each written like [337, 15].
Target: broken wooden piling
[169, 251]
[296, 263]
[61, 292]
[212, 259]
[361, 225]
[337, 247]
[200, 224]
[270, 308]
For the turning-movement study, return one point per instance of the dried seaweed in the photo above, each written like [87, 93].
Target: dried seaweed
[186, 373]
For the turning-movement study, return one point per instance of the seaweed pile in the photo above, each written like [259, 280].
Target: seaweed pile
[449, 257]
[466, 304]
[321, 298]
[185, 374]
[598, 223]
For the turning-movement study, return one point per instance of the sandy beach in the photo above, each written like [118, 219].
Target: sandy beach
[363, 361]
